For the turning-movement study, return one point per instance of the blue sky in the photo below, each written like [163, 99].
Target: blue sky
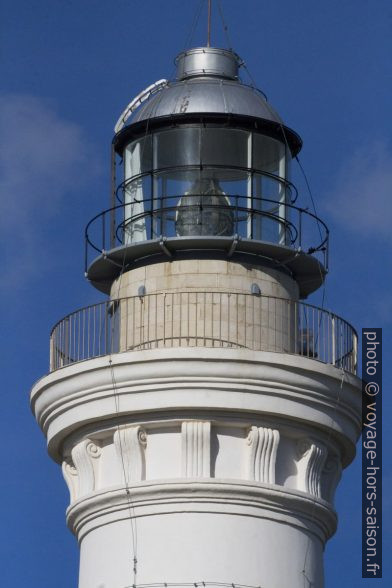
[69, 68]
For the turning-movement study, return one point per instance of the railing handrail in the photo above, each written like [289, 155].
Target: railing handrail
[289, 226]
[111, 301]
[301, 211]
[173, 168]
[326, 333]
[81, 308]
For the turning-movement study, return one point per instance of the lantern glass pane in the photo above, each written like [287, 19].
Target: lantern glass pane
[177, 147]
[269, 155]
[228, 147]
[138, 157]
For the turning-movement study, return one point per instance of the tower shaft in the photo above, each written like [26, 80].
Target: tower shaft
[202, 414]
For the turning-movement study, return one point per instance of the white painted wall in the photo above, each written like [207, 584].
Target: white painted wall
[220, 463]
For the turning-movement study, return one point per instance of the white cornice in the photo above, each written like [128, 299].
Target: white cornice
[180, 379]
[229, 497]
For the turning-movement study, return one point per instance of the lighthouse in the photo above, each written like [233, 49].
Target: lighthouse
[203, 413]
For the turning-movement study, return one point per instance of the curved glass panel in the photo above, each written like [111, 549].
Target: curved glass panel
[226, 147]
[138, 157]
[178, 182]
[177, 147]
[271, 213]
[268, 155]
[194, 202]
[135, 194]
[196, 181]
[137, 160]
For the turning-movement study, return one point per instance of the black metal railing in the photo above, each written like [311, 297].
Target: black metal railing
[272, 183]
[258, 219]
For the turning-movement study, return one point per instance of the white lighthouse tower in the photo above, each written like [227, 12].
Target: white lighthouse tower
[202, 415]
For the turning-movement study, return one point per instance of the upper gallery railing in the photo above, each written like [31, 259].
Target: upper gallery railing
[195, 215]
[204, 319]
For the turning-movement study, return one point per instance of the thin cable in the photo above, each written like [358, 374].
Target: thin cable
[306, 179]
[194, 25]
[310, 193]
[327, 442]
[191, 34]
[252, 81]
[322, 277]
[131, 507]
[225, 27]
[318, 225]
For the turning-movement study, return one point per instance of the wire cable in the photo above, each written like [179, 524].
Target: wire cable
[194, 24]
[117, 300]
[322, 276]
[327, 442]
[225, 27]
[131, 507]
[310, 192]
[323, 298]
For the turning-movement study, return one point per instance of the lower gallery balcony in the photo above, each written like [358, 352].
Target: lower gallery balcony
[204, 319]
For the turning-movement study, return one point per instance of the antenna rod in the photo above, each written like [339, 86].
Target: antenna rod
[209, 25]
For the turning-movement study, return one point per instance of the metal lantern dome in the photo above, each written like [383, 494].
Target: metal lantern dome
[208, 82]
[205, 163]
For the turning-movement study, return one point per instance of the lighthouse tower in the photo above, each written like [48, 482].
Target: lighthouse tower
[203, 413]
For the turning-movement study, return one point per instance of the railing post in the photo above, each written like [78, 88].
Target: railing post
[52, 362]
[236, 216]
[106, 329]
[164, 320]
[327, 252]
[85, 254]
[333, 335]
[67, 359]
[115, 326]
[103, 232]
[291, 327]
[162, 222]
[113, 198]
[300, 229]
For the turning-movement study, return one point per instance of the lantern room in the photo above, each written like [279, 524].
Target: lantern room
[201, 168]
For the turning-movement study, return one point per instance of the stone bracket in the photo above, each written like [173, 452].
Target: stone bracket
[262, 446]
[196, 449]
